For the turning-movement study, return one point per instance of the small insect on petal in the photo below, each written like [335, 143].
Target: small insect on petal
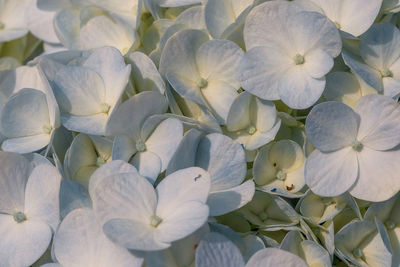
[197, 177]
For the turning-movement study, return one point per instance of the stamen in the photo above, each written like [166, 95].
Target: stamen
[386, 73]
[140, 146]
[19, 217]
[202, 83]
[298, 59]
[155, 220]
[281, 176]
[251, 129]
[357, 146]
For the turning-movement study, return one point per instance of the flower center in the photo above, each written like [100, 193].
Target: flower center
[251, 129]
[281, 176]
[357, 146]
[140, 146]
[390, 224]
[298, 59]
[2, 26]
[100, 161]
[104, 108]
[19, 217]
[202, 83]
[47, 129]
[155, 221]
[358, 253]
[386, 73]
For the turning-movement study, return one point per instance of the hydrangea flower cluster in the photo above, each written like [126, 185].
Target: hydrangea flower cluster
[202, 133]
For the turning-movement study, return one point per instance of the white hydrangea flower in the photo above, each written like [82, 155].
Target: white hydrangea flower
[229, 255]
[364, 243]
[203, 71]
[225, 161]
[88, 93]
[29, 208]
[356, 150]
[311, 252]
[289, 52]
[139, 217]
[147, 143]
[353, 17]
[379, 66]
[279, 168]
[85, 155]
[252, 121]
[30, 115]
[12, 20]
[80, 241]
[269, 211]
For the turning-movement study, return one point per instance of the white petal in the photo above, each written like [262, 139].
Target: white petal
[224, 201]
[66, 26]
[218, 60]
[26, 144]
[42, 195]
[183, 221]
[81, 241]
[377, 175]
[261, 70]
[22, 243]
[145, 73]
[14, 170]
[103, 31]
[224, 159]
[123, 148]
[123, 196]
[25, 114]
[331, 126]
[220, 96]
[275, 257]
[298, 89]
[380, 122]
[331, 174]
[379, 46]
[343, 87]
[318, 63]
[165, 140]
[108, 169]
[217, 250]
[177, 3]
[186, 87]
[109, 64]
[134, 235]
[183, 186]
[92, 124]
[179, 53]
[148, 165]
[79, 91]
[369, 75]
[40, 23]
[131, 114]
[185, 154]
[239, 113]
[391, 87]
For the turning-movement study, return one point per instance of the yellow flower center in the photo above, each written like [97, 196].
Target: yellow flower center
[386, 73]
[357, 146]
[202, 83]
[298, 59]
[155, 221]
